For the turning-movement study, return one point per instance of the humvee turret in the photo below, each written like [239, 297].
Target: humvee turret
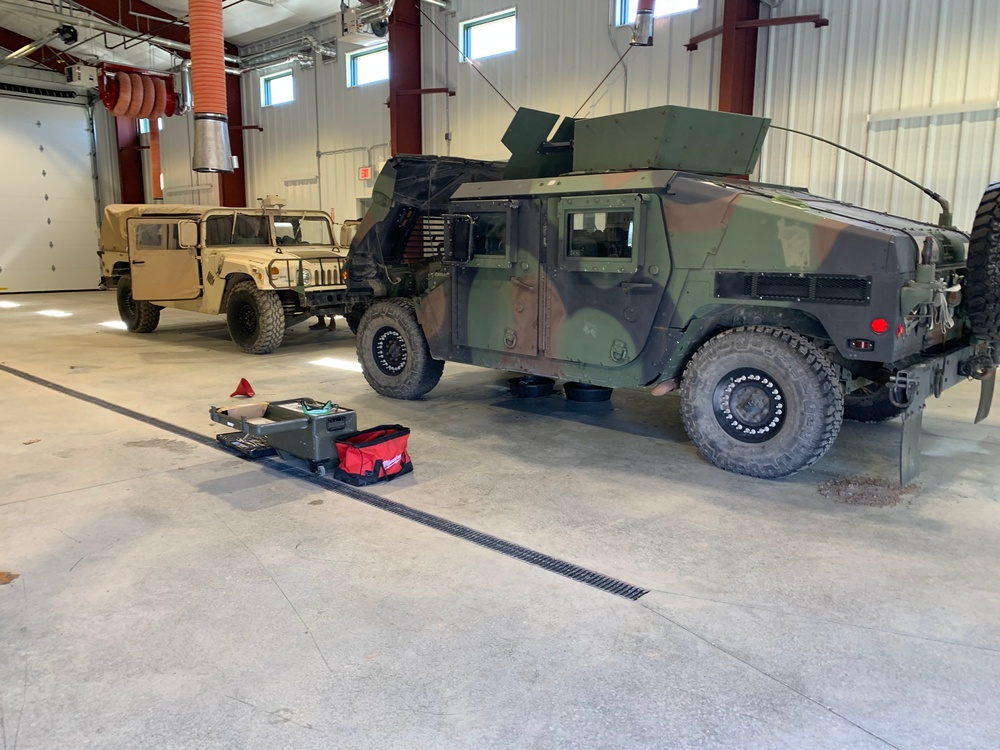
[266, 268]
[618, 253]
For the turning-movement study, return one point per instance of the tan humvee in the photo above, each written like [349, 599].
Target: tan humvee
[266, 268]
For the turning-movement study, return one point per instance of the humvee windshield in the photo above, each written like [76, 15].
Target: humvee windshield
[237, 230]
[302, 230]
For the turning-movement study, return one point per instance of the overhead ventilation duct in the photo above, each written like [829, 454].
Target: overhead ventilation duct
[212, 152]
[130, 93]
[642, 34]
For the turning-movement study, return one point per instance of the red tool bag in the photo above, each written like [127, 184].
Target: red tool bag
[374, 455]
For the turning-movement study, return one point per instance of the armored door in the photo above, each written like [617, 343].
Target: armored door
[161, 269]
[495, 276]
[607, 265]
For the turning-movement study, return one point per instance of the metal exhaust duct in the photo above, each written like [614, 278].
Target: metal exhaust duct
[642, 35]
[212, 152]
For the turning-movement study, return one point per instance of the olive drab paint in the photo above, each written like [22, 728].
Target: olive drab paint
[615, 270]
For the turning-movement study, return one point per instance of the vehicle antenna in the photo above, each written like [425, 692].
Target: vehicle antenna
[944, 220]
[629, 49]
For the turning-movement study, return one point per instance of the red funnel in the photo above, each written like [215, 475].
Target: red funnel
[244, 390]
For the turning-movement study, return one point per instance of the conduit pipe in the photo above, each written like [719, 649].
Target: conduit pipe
[212, 152]
[96, 24]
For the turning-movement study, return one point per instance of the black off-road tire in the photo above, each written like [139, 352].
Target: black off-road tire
[870, 404]
[393, 351]
[761, 401]
[981, 293]
[256, 319]
[137, 315]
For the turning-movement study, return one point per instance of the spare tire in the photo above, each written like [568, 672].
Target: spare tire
[981, 295]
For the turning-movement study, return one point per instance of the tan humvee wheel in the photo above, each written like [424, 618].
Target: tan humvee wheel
[761, 401]
[138, 316]
[393, 351]
[256, 319]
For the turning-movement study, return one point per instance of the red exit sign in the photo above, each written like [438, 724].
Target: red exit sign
[365, 173]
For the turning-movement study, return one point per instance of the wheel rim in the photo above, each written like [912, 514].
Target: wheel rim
[749, 405]
[246, 319]
[389, 351]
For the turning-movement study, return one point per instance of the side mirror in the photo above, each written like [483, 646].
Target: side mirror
[458, 238]
[187, 234]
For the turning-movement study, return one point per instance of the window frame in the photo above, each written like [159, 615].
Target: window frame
[265, 87]
[352, 67]
[596, 204]
[624, 6]
[477, 208]
[465, 27]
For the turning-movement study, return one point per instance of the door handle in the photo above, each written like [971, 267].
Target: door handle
[138, 262]
[629, 286]
[522, 284]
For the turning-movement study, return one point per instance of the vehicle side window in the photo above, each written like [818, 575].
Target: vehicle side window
[600, 234]
[157, 236]
[489, 234]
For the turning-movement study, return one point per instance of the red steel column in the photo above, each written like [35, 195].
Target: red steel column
[232, 185]
[129, 160]
[739, 57]
[406, 114]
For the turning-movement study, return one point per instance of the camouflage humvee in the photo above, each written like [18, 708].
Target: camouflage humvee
[265, 268]
[617, 253]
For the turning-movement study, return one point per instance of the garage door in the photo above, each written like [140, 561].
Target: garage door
[48, 220]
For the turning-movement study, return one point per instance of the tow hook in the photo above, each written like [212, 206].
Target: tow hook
[901, 387]
[978, 367]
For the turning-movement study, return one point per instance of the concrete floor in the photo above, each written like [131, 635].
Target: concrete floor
[172, 596]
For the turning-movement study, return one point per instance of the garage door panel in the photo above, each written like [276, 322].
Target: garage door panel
[49, 221]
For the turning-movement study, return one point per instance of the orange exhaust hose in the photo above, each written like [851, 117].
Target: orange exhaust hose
[124, 95]
[159, 100]
[208, 67]
[148, 97]
[646, 5]
[137, 93]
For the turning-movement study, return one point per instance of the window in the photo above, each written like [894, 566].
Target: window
[600, 234]
[302, 230]
[368, 66]
[627, 9]
[489, 35]
[277, 89]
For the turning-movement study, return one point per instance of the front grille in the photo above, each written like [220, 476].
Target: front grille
[796, 287]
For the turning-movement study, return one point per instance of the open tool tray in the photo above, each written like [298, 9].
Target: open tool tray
[299, 429]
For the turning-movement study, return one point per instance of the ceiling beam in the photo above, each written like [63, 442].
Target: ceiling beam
[49, 57]
[134, 16]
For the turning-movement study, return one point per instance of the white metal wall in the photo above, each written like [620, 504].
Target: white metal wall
[914, 84]
[352, 122]
[565, 47]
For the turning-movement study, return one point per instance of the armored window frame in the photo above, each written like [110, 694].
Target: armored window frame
[594, 204]
[507, 209]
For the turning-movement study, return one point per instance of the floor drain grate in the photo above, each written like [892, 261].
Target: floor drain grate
[488, 541]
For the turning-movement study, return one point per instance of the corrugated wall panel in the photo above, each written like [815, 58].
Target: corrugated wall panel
[879, 59]
[282, 158]
[565, 48]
